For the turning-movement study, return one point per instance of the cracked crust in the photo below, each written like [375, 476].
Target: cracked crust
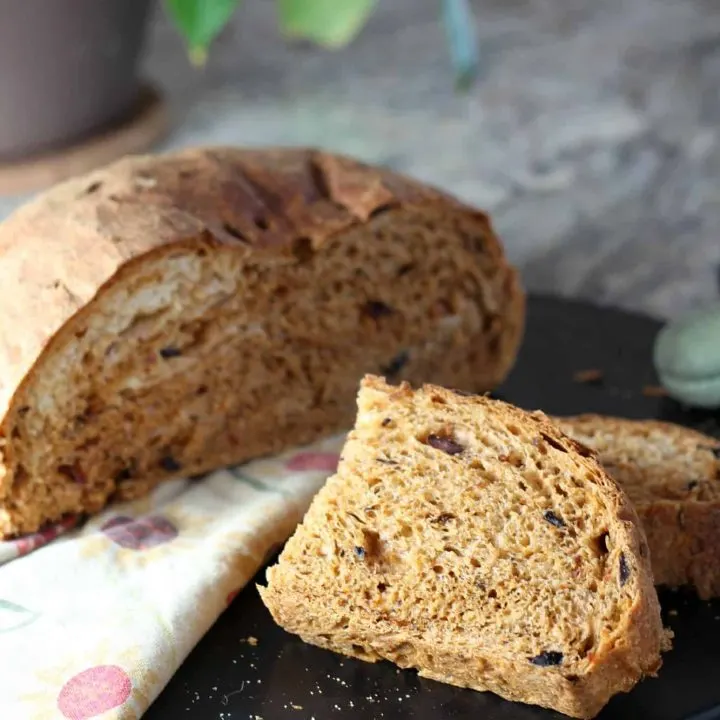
[79, 264]
[672, 476]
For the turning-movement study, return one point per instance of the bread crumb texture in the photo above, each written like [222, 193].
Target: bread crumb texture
[169, 315]
[672, 476]
[475, 542]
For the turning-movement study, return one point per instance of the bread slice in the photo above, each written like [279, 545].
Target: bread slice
[672, 476]
[169, 315]
[473, 541]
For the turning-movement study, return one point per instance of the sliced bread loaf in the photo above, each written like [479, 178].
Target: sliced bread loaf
[475, 542]
[672, 476]
[169, 315]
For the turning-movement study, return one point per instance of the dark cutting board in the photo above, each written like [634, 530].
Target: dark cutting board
[228, 678]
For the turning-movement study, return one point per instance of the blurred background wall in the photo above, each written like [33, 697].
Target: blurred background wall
[591, 133]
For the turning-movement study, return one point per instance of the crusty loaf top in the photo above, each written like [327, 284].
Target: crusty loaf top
[59, 250]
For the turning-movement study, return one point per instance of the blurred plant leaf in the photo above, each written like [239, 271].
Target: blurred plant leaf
[462, 40]
[200, 21]
[330, 23]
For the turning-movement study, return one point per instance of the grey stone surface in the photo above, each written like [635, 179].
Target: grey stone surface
[592, 136]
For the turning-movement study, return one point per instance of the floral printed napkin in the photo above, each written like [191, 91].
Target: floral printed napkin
[94, 621]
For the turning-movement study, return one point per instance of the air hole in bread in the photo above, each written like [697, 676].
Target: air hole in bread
[587, 644]
[444, 518]
[477, 464]
[552, 442]
[533, 479]
[261, 222]
[514, 458]
[302, 249]
[381, 209]
[405, 530]
[73, 472]
[601, 544]
[170, 464]
[376, 309]
[20, 476]
[404, 269]
[234, 232]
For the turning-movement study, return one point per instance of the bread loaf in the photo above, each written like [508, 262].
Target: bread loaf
[168, 315]
[672, 476]
[476, 543]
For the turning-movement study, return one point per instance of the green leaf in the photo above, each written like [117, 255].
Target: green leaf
[14, 617]
[330, 23]
[200, 21]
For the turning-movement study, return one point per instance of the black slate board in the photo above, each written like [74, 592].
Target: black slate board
[227, 678]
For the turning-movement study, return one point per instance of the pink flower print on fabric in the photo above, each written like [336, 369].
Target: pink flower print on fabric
[139, 533]
[28, 543]
[93, 692]
[313, 461]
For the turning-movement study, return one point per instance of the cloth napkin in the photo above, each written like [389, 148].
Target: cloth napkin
[95, 620]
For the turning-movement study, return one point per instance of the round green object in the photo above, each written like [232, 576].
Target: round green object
[687, 358]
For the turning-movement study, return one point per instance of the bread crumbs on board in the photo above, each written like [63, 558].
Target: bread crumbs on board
[654, 391]
[591, 376]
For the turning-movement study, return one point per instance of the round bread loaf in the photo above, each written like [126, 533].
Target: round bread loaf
[171, 314]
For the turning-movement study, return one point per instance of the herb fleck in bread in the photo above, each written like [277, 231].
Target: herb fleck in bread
[672, 476]
[473, 541]
[172, 314]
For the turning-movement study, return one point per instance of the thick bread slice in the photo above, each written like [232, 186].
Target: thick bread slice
[172, 314]
[475, 542]
[672, 476]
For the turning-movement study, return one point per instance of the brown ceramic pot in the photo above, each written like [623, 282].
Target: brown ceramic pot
[68, 69]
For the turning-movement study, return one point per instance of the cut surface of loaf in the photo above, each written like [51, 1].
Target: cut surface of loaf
[172, 314]
[475, 542]
[672, 476]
